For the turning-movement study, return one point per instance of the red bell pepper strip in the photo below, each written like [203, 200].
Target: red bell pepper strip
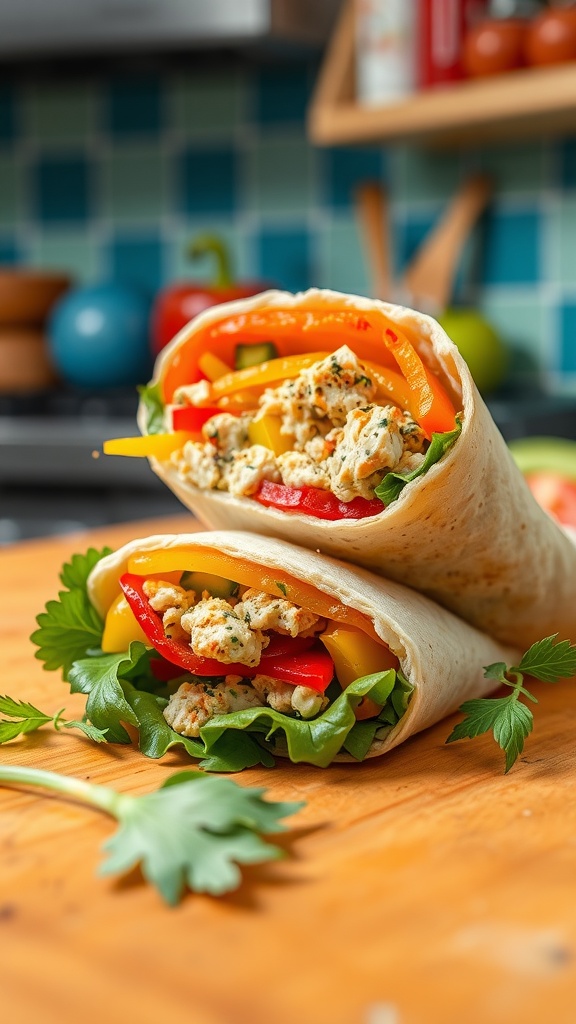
[313, 501]
[290, 659]
[188, 417]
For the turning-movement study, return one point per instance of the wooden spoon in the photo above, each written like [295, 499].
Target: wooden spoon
[429, 278]
[372, 210]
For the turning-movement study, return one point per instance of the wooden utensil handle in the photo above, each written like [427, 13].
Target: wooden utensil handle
[373, 217]
[430, 276]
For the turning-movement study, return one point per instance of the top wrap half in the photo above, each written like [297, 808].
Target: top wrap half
[346, 439]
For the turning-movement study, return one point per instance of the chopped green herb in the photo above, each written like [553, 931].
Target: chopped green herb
[282, 587]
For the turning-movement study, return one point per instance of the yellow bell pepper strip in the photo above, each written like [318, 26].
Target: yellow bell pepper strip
[266, 430]
[121, 628]
[271, 371]
[160, 446]
[212, 366]
[430, 405]
[271, 581]
[356, 655]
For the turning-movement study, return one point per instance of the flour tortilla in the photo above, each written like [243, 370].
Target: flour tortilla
[468, 533]
[441, 656]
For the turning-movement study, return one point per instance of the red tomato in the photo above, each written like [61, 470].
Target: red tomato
[555, 494]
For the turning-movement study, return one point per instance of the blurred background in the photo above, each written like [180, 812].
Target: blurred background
[409, 149]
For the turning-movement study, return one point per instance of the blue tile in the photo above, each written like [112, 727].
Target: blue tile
[568, 338]
[135, 106]
[284, 257]
[410, 237]
[208, 180]
[283, 94]
[7, 114]
[511, 248]
[567, 152]
[137, 260]
[344, 169]
[62, 189]
[9, 251]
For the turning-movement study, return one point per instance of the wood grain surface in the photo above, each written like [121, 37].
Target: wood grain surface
[422, 888]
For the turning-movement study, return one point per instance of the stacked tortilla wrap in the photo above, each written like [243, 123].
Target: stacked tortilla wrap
[467, 533]
[440, 656]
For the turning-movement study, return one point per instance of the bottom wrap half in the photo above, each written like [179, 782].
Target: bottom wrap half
[241, 648]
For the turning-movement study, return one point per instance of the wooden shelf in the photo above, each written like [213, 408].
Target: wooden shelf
[529, 102]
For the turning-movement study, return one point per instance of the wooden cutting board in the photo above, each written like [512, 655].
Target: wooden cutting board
[422, 888]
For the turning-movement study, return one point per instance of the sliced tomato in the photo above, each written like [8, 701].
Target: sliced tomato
[555, 494]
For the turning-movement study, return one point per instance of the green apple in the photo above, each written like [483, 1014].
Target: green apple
[479, 344]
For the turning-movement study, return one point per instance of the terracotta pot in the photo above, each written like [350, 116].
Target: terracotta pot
[551, 37]
[494, 47]
[27, 296]
[24, 361]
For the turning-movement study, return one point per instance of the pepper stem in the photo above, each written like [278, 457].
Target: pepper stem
[215, 247]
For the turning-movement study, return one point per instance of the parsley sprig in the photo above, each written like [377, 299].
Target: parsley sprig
[509, 718]
[194, 831]
[24, 718]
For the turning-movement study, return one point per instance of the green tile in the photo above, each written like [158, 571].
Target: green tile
[280, 175]
[12, 192]
[180, 268]
[74, 252]
[521, 319]
[208, 104]
[60, 112]
[561, 223]
[340, 257]
[516, 169]
[423, 175]
[134, 183]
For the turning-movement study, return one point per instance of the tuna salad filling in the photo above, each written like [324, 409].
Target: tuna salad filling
[328, 428]
[230, 656]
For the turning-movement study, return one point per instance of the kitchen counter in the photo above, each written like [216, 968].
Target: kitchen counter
[421, 888]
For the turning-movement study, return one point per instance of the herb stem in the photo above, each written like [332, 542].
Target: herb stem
[98, 796]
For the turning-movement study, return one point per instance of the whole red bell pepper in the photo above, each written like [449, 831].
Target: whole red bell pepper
[313, 501]
[177, 304]
[298, 660]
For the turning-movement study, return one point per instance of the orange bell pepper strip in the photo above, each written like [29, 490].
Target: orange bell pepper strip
[294, 331]
[430, 405]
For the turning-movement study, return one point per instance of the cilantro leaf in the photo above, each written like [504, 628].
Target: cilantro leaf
[153, 402]
[548, 661]
[509, 720]
[75, 573]
[508, 717]
[194, 831]
[28, 718]
[70, 626]
[394, 483]
[99, 677]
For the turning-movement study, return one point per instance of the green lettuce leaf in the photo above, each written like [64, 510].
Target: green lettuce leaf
[151, 398]
[316, 741]
[394, 483]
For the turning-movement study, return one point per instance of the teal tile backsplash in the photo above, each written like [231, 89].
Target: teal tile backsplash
[109, 174]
